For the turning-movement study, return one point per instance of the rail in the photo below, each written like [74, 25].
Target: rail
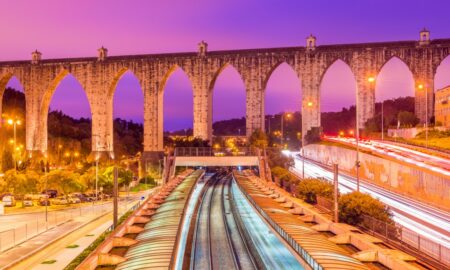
[227, 228]
[214, 152]
[402, 238]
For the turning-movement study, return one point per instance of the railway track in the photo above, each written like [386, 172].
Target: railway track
[217, 243]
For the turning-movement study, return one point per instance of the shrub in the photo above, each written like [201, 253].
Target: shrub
[309, 189]
[353, 205]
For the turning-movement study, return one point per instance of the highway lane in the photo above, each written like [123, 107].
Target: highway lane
[434, 163]
[427, 221]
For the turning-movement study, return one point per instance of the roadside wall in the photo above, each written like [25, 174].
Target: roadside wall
[395, 176]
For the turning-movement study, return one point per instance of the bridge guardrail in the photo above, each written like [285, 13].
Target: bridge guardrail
[215, 152]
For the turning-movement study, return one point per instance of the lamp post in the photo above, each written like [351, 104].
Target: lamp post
[288, 116]
[14, 123]
[382, 120]
[309, 104]
[421, 87]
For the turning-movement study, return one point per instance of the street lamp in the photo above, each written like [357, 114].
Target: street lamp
[309, 104]
[421, 87]
[14, 123]
[288, 116]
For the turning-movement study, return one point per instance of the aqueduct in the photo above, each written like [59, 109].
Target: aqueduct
[99, 76]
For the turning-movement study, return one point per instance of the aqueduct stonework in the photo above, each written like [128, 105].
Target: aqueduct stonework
[99, 76]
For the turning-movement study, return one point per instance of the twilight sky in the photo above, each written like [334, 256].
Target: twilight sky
[61, 28]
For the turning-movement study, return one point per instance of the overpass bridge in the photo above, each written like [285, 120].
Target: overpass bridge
[200, 157]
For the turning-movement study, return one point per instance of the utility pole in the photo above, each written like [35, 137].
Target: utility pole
[115, 195]
[382, 120]
[336, 191]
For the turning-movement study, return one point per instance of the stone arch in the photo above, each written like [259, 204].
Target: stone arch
[168, 73]
[322, 104]
[275, 67]
[45, 106]
[161, 92]
[387, 60]
[291, 100]
[230, 99]
[379, 80]
[4, 80]
[112, 98]
[219, 71]
[442, 67]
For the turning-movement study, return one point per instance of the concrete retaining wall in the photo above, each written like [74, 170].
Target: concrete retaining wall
[395, 176]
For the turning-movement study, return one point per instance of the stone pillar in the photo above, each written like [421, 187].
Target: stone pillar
[311, 72]
[153, 117]
[202, 102]
[254, 105]
[101, 101]
[365, 96]
[202, 111]
[424, 84]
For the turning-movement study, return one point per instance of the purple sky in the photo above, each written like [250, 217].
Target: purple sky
[77, 28]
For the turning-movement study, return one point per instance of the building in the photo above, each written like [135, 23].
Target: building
[442, 106]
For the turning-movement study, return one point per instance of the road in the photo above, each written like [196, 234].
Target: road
[419, 217]
[59, 251]
[423, 160]
[214, 247]
[11, 221]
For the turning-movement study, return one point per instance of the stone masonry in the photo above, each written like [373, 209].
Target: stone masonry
[99, 77]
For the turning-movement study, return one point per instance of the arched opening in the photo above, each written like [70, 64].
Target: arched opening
[13, 116]
[229, 106]
[442, 94]
[283, 100]
[177, 107]
[394, 96]
[338, 99]
[68, 123]
[128, 113]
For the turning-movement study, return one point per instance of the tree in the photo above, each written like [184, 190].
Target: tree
[407, 119]
[258, 139]
[353, 206]
[309, 189]
[7, 160]
[63, 181]
[124, 176]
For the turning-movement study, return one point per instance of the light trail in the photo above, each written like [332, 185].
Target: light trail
[436, 164]
[409, 213]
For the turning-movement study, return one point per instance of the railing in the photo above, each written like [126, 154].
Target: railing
[211, 152]
[10, 238]
[401, 237]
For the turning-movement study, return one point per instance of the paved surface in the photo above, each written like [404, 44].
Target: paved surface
[58, 250]
[51, 244]
[425, 220]
[38, 242]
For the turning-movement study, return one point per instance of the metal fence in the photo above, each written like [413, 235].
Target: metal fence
[24, 231]
[210, 151]
[401, 237]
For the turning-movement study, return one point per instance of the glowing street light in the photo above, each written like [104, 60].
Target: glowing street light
[288, 116]
[341, 133]
[14, 123]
